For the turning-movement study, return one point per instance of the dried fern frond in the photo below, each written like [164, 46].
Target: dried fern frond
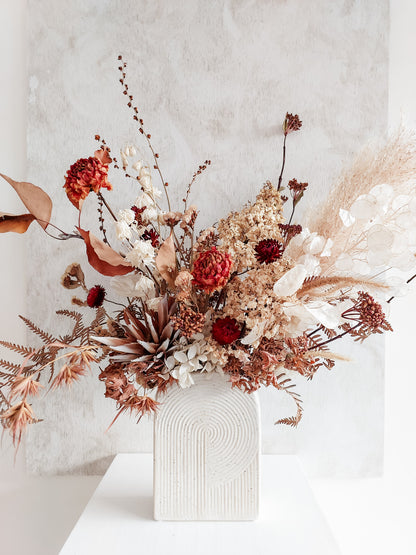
[14, 368]
[285, 384]
[20, 349]
[46, 337]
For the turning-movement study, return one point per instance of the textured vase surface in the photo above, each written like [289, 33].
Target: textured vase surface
[207, 452]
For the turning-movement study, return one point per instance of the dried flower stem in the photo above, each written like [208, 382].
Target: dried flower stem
[283, 164]
[100, 196]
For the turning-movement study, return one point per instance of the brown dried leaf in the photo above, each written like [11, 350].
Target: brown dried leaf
[166, 261]
[103, 156]
[18, 224]
[34, 198]
[103, 258]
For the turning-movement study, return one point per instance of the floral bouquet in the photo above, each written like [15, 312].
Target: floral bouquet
[256, 297]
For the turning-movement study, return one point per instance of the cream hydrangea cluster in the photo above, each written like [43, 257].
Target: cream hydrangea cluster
[191, 357]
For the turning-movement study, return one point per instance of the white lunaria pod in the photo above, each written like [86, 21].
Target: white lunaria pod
[361, 267]
[382, 193]
[364, 208]
[292, 280]
[344, 262]
[379, 238]
[400, 202]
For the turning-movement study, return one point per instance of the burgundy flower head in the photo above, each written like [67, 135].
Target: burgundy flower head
[268, 250]
[95, 297]
[226, 330]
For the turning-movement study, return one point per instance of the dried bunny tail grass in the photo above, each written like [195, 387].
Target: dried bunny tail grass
[334, 283]
[393, 163]
[328, 355]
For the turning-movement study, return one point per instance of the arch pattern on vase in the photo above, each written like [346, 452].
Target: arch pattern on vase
[206, 453]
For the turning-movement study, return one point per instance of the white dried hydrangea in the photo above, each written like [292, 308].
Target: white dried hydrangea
[191, 357]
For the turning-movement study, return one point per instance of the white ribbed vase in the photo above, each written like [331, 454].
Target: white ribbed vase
[207, 452]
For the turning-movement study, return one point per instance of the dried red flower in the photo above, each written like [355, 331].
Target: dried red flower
[289, 231]
[84, 176]
[95, 297]
[138, 214]
[211, 270]
[226, 330]
[151, 235]
[369, 314]
[297, 187]
[268, 251]
[291, 123]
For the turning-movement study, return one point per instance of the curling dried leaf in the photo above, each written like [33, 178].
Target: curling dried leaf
[166, 261]
[18, 224]
[36, 201]
[103, 258]
[103, 156]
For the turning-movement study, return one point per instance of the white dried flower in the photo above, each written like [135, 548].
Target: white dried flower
[156, 193]
[144, 200]
[146, 183]
[126, 215]
[137, 166]
[193, 357]
[145, 288]
[133, 286]
[153, 304]
[141, 254]
[123, 230]
[150, 214]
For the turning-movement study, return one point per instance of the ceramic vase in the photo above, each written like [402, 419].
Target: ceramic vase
[207, 452]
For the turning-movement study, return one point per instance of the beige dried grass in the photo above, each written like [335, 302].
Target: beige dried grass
[393, 163]
[313, 287]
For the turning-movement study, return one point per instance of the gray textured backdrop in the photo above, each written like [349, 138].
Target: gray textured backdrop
[213, 79]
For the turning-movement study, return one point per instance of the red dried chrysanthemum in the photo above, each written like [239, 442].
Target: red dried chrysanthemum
[211, 270]
[95, 297]
[84, 176]
[268, 250]
[226, 330]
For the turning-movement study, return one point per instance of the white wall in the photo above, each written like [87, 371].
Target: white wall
[13, 117]
[400, 377]
[400, 451]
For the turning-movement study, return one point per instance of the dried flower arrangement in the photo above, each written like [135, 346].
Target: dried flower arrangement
[255, 297]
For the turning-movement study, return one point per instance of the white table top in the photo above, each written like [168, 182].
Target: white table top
[118, 518]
